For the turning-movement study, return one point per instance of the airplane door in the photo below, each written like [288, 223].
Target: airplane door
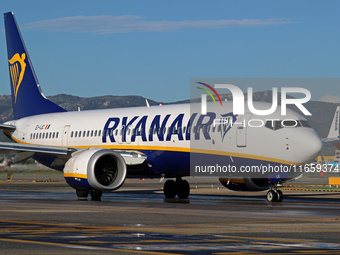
[65, 135]
[241, 131]
[120, 134]
[129, 130]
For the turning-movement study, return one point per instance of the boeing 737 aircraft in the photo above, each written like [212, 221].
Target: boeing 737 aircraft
[98, 149]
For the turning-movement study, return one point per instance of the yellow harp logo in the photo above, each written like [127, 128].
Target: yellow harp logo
[17, 68]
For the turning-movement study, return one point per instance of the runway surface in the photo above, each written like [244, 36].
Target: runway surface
[41, 218]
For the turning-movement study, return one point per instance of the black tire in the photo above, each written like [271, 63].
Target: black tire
[96, 195]
[82, 194]
[170, 189]
[279, 196]
[183, 189]
[271, 196]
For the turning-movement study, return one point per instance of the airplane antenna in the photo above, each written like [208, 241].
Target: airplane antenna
[147, 103]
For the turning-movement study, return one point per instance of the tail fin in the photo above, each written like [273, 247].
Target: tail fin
[27, 98]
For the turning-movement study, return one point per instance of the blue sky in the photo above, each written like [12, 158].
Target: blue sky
[153, 48]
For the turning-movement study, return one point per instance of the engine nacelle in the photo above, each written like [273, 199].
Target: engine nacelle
[246, 184]
[95, 168]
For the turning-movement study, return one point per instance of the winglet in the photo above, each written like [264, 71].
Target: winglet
[333, 134]
[334, 130]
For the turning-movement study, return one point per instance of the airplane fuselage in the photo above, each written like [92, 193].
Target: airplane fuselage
[165, 133]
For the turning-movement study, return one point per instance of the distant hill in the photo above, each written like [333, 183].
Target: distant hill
[72, 103]
[322, 112]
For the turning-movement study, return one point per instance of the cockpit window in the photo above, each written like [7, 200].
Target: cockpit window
[291, 123]
[305, 123]
[278, 124]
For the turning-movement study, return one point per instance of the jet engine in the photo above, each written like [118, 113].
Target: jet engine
[246, 184]
[95, 169]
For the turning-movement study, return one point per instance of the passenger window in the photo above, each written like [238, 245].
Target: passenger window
[95, 133]
[91, 133]
[71, 134]
[53, 134]
[57, 135]
[99, 132]
[305, 123]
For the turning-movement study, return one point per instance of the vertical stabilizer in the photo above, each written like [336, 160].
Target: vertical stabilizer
[27, 98]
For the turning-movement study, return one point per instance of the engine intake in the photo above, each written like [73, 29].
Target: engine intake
[96, 168]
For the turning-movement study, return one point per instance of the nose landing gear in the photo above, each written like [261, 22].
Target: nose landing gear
[274, 195]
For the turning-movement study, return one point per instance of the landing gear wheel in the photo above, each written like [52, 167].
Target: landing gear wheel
[170, 189]
[279, 196]
[96, 195]
[183, 189]
[271, 196]
[82, 194]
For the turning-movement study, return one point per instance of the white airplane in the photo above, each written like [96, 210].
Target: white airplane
[98, 149]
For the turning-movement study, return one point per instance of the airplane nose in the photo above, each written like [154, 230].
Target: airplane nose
[308, 145]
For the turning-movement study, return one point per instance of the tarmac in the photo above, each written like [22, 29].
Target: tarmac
[40, 214]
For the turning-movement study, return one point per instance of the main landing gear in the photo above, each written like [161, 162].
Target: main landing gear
[274, 195]
[180, 187]
[82, 194]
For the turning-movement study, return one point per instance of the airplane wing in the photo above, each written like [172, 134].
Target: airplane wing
[333, 135]
[6, 127]
[26, 151]
[14, 148]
